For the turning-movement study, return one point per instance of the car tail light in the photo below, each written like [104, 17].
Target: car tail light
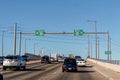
[16, 60]
[63, 65]
[76, 67]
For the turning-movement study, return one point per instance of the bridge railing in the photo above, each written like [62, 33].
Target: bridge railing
[117, 62]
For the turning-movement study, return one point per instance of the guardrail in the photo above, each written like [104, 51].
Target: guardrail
[117, 62]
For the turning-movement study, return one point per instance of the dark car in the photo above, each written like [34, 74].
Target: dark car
[45, 59]
[25, 57]
[1, 59]
[69, 64]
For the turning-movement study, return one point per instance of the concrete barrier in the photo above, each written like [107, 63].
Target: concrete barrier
[106, 65]
[34, 61]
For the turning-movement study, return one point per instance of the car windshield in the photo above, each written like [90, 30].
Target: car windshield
[68, 61]
[80, 59]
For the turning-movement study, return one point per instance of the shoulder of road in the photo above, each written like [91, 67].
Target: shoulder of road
[111, 71]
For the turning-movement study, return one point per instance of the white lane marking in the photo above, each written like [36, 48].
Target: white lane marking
[54, 73]
[111, 79]
[103, 74]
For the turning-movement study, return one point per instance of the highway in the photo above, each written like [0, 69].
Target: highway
[53, 71]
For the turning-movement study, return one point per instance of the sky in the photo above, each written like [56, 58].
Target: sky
[60, 16]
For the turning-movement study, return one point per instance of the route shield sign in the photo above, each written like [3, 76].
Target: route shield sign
[108, 52]
[39, 32]
[78, 32]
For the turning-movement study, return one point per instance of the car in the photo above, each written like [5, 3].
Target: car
[25, 57]
[76, 57]
[45, 59]
[52, 59]
[1, 59]
[81, 62]
[60, 60]
[12, 61]
[69, 64]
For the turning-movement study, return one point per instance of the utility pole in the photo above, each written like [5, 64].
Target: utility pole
[108, 44]
[3, 41]
[25, 43]
[19, 50]
[98, 47]
[88, 46]
[35, 47]
[14, 49]
[110, 49]
[91, 49]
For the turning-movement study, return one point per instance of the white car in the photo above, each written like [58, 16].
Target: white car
[60, 60]
[81, 62]
[14, 62]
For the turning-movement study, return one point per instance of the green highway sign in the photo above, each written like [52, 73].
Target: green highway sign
[108, 52]
[78, 32]
[39, 32]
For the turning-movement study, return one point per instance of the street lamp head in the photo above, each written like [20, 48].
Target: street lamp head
[90, 20]
[6, 30]
[28, 39]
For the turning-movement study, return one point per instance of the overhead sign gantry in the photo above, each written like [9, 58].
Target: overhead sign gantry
[77, 32]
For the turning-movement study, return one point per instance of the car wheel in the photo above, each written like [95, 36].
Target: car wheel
[18, 68]
[1, 77]
[4, 68]
[63, 70]
[24, 67]
[76, 70]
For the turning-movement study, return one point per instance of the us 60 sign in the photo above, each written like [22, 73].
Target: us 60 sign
[78, 32]
[39, 32]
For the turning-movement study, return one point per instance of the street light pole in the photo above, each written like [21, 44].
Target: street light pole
[110, 48]
[25, 44]
[3, 41]
[35, 47]
[89, 47]
[15, 30]
[95, 37]
[91, 50]
[98, 44]
[19, 49]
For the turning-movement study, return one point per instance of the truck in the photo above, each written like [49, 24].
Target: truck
[70, 55]
[53, 57]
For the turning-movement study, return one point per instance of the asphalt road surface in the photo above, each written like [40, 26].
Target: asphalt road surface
[40, 71]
